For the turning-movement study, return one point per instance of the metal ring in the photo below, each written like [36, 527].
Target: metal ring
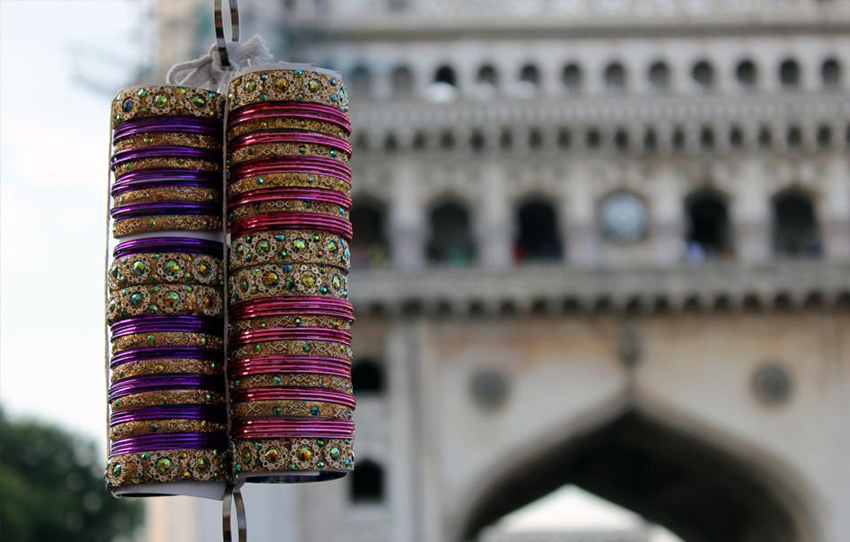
[219, 30]
[233, 494]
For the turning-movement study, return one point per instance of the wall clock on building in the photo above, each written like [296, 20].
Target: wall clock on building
[623, 217]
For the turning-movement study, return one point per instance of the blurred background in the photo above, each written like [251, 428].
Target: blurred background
[601, 268]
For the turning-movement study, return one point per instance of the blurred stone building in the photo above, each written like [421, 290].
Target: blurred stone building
[598, 242]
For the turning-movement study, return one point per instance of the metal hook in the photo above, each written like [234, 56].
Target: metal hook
[219, 30]
[235, 495]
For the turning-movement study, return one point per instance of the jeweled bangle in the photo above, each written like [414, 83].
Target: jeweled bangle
[272, 280]
[144, 224]
[149, 340]
[287, 86]
[125, 189]
[286, 149]
[289, 334]
[167, 397]
[165, 466]
[299, 380]
[164, 163]
[120, 157]
[169, 193]
[290, 246]
[177, 139]
[317, 409]
[167, 366]
[306, 320]
[157, 245]
[158, 101]
[164, 427]
[307, 123]
[154, 300]
[332, 458]
[302, 206]
[163, 382]
[292, 164]
[163, 353]
[288, 180]
[293, 305]
[294, 348]
[165, 267]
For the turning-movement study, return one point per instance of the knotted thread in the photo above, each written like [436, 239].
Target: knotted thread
[207, 71]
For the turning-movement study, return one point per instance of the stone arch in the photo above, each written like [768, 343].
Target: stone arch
[538, 232]
[733, 491]
[450, 239]
[709, 223]
[370, 220]
[796, 223]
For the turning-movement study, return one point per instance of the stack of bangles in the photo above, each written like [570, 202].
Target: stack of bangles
[289, 359]
[167, 407]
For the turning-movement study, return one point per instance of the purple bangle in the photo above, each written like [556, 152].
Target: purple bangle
[189, 245]
[181, 412]
[180, 324]
[172, 352]
[172, 441]
[164, 208]
[170, 174]
[121, 188]
[193, 125]
[159, 151]
[142, 384]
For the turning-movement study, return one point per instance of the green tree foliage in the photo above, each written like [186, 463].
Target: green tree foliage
[51, 488]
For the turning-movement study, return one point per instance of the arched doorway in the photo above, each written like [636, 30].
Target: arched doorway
[796, 232]
[451, 239]
[369, 248]
[709, 232]
[692, 487]
[537, 232]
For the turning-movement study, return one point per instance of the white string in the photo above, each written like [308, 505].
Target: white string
[207, 70]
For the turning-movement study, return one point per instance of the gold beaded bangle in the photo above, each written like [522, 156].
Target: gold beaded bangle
[287, 180]
[306, 320]
[289, 247]
[293, 380]
[273, 280]
[285, 123]
[174, 300]
[162, 101]
[165, 466]
[167, 397]
[161, 427]
[265, 150]
[165, 267]
[294, 348]
[166, 162]
[292, 454]
[170, 193]
[171, 139]
[287, 86]
[166, 366]
[317, 409]
[166, 338]
[143, 224]
[288, 205]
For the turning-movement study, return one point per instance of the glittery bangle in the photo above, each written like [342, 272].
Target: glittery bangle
[144, 224]
[331, 457]
[289, 333]
[292, 164]
[294, 348]
[138, 179]
[156, 245]
[289, 206]
[291, 408]
[255, 152]
[288, 180]
[290, 246]
[307, 320]
[154, 300]
[149, 340]
[272, 280]
[262, 428]
[263, 365]
[293, 305]
[144, 164]
[298, 380]
[165, 267]
[159, 101]
[168, 397]
[176, 123]
[129, 156]
[178, 139]
[163, 208]
[300, 121]
[285, 85]
[163, 382]
[165, 466]
[169, 193]
[162, 353]
[164, 427]
[306, 197]
[166, 366]
[125, 189]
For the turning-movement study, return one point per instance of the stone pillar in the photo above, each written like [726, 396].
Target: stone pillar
[579, 234]
[494, 226]
[667, 216]
[750, 213]
[834, 211]
[407, 224]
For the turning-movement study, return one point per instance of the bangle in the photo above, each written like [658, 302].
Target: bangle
[175, 352]
[143, 224]
[244, 210]
[292, 164]
[164, 382]
[287, 86]
[167, 398]
[255, 152]
[272, 280]
[179, 123]
[164, 427]
[326, 349]
[287, 455]
[292, 246]
[293, 380]
[296, 111]
[154, 300]
[290, 333]
[261, 428]
[167, 366]
[177, 139]
[166, 101]
[165, 466]
[289, 364]
[307, 320]
[156, 245]
[190, 441]
[165, 267]
[237, 128]
[293, 305]
[143, 164]
[169, 193]
[285, 408]
[171, 338]
[289, 180]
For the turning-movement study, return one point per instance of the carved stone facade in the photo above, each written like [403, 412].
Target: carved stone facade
[598, 242]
